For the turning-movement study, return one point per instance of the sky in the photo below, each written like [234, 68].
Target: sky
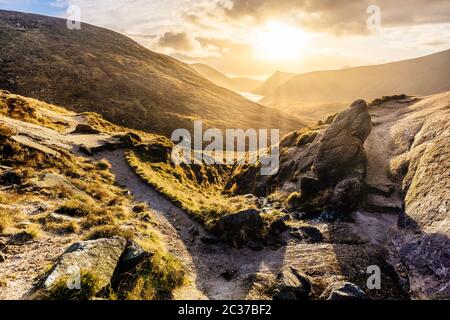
[257, 37]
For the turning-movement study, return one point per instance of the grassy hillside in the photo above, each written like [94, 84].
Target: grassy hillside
[95, 69]
[240, 84]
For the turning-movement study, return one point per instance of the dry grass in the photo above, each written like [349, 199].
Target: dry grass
[29, 110]
[199, 192]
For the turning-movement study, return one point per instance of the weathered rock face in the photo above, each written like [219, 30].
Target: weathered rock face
[315, 161]
[100, 257]
[240, 228]
[421, 165]
[341, 154]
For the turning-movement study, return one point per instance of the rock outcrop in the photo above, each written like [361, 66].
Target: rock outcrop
[99, 257]
[241, 228]
[325, 164]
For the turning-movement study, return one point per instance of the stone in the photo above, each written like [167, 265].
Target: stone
[85, 129]
[308, 234]
[347, 195]
[343, 291]
[210, 239]
[229, 274]
[341, 154]
[292, 283]
[278, 227]
[99, 257]
[86, 150]
[238, 229]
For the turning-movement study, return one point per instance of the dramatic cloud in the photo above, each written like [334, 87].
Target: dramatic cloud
[223, 32]
[339, 17]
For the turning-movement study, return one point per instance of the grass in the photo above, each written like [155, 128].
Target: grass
[6, 220]
[29, 110]
[196, 189]
[155, 278]
[94, 205]
[61, 291]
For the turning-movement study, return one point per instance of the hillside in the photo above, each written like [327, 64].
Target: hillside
[240, 84]
[273, 83]
[422, 76]
[94, 69]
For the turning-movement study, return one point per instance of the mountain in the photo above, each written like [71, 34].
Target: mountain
[422, 76]
[98, 70]
[273, 83]
[240, 84]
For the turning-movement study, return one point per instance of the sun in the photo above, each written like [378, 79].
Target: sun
[277, 41]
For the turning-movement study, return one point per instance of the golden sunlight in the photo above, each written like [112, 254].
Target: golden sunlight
[279, 42]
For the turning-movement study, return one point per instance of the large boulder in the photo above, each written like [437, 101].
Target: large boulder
[240, 228]
[341, 154]
[98, 257]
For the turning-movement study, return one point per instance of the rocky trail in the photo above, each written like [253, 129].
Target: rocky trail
[219, 271]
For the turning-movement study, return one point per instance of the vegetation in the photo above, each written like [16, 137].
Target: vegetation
[61, 291]
[196, 189]
[30, 110]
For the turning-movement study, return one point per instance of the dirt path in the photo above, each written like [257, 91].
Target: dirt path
[204, 262]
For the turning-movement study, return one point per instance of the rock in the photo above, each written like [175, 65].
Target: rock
[341, 154]
[278, 227]
[2, 257]
[10, 177]
[99, 257]
[308, 234]
[86, 150]
[228, 274]
[85, 129]
[210, 240]
[131, 258]
[292, 283]
[130, 139]
[20, 239]
[347, 195]
[343, 291]
[238, 229]
[155, 153]
[194, 232]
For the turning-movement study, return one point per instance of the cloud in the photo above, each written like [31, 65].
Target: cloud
[341, 17]
[176, 40]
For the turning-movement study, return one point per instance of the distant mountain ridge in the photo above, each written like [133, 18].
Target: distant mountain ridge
[98, 70]
[421, 76]
[239, 84]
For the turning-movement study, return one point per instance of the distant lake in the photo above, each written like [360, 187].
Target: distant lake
[250, 96]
